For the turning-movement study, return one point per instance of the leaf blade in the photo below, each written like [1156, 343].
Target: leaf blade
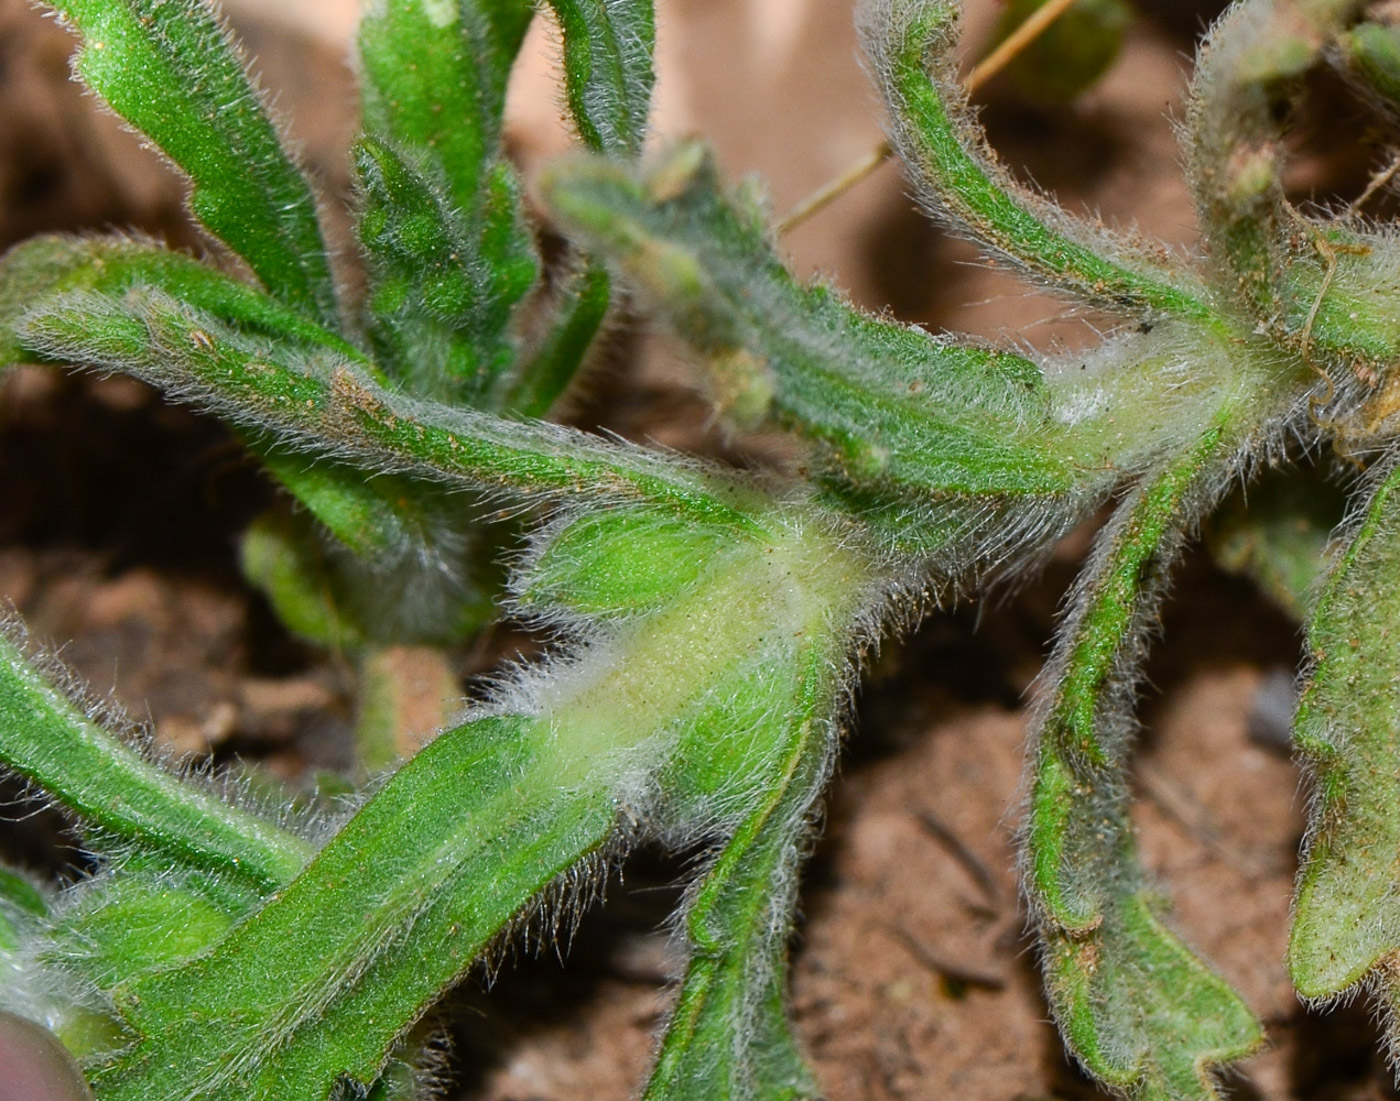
[1133, 1003]
[335, 408]
[171, 70]
[1346, 923]
[730, 1034]
[960, 178]
[443, 226]
[608, 73]
[46, 738]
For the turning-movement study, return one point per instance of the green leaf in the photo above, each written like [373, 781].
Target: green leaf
[1140, 1010]
[1373, 52]
[1334, 308]
[279, 556]
[952, 448]
[849, 381]
[377, 518]
[608, 74]
[170, 68]
[1134, 1005]
[380, 518]
[433, 84]
[142, 919]
[729, 1034]
[22, 904]
[1251, 65]
[318, 986]
[1346, 922]
[540, 378]
[441, 300]
[1323, 290]
[750, 766]
[1276, 533]
[332, 407]
[620, 563]
[959, 176]
[47, 739]
[451, 253]
[43, 267]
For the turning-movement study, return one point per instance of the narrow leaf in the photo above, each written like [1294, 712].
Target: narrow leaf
[750, 767]
[540, 378]
[321, 982]
[380, 518]
[433, 82]
[450, 250]
[46, 266]
[953, 448]
[332, 407]
[1346, 919]
[48, 740]
[730, 1034]
[850, 382]
[1372, 51]
[1322, 289]
[608, 74]
[1134, 1005]
[959, 177]
[1250, 65]
[1276, 533]
[444, 285]
[172, 71]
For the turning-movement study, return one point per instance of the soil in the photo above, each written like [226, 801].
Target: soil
[913, 976]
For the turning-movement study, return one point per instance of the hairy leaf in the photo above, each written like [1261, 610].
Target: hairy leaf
[330, 406]
[170, 68]
[540, 377]
[959, 177]
[449, 250]
[46, 266]
[1346, 924]
[1276, 533]
[958, 450]
[1070, 55]
[608, 73]
[1252, 59]
[319, 983]
[434, 76]
[1135, 1006]
[114, 788]
[442, 298]
[729, 1034]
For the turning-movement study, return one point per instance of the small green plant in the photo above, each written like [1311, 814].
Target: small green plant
[712, 622]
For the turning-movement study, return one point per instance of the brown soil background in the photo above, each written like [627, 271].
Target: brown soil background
[913, 976]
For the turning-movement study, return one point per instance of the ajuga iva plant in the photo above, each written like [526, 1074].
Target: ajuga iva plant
[710, 622]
